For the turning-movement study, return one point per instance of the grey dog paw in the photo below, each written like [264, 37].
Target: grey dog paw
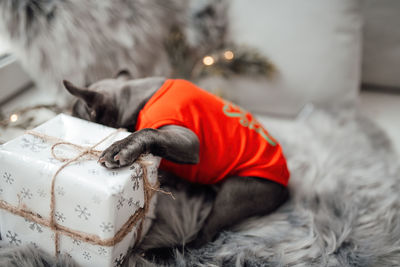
[121, 153]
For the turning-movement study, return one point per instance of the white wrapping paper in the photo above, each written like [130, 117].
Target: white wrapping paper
[89, 198]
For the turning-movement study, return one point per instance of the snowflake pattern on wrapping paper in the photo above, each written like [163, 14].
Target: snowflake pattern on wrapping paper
[106, 227]
[59, 216]
[86, 255]
[119, 191]
[66, 254]
[8, 178]
[60, 191]
[76, 242]
[132, 202]
[26, 193]
[119, 260]
[137, 171]
[41, 192]
[34, 245]
[102, 251]
[135, 181]
[82, 212]
[34, 226]
[96, 199]
[13, 238]
[116, 190]
[153, 172]
[94, 171]
[60, 153]
[113, 173]
[120, 202]
[34, 144]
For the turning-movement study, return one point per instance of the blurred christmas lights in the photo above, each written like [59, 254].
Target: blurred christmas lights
[228, 55]
[13, 117]
[208, 60]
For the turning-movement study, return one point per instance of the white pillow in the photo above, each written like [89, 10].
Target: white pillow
[314, 44]
[381, 51]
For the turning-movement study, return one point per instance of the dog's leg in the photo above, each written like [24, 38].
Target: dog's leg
[171, 142]
[237, 199]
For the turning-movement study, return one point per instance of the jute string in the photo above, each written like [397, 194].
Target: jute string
[90, 151]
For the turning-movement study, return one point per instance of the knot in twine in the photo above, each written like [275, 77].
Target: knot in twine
[82, 149]
[90, 238]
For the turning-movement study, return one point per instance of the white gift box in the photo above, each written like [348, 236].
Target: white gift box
[89, 199]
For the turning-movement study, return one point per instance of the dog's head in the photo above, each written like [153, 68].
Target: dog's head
[113, 102]
[98, 103]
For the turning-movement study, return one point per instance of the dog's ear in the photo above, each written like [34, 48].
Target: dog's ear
[124, 75]
[88, 96]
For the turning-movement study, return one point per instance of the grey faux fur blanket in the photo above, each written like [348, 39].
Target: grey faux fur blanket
[343, 211]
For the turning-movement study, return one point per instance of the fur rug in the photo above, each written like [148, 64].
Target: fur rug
[343, 210]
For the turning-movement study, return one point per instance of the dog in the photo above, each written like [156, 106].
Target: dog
[202, 139]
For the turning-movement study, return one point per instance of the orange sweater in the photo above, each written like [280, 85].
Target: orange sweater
[232, 141]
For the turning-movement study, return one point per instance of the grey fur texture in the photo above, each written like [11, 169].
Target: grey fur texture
[343, 211]
[86, 41]
[29, 256]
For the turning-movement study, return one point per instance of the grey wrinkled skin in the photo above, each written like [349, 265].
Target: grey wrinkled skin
[117, 102]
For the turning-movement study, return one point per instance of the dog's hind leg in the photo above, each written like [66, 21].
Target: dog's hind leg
[239, 198]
